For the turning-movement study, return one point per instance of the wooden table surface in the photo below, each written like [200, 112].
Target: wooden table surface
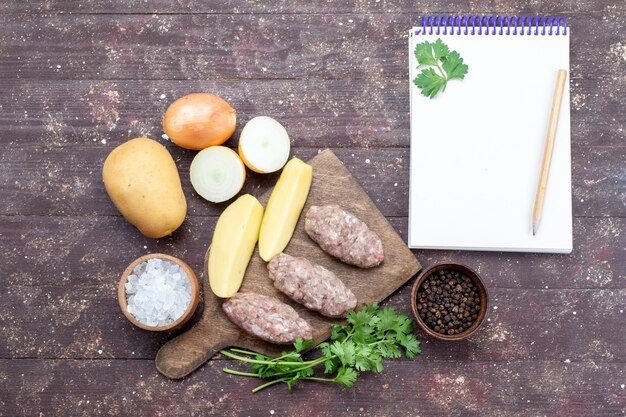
[78, 78]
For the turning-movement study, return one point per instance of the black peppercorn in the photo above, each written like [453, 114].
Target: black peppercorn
[448, 302]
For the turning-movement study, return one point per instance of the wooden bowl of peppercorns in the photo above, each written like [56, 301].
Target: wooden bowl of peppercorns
[449, 301]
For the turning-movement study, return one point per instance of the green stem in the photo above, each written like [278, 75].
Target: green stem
[250, 353]
[443, 74]
[313, 378]
[277, 381]
[233, 372]
[307, 365]
[267, 384]
[245, 352]
[282, 356]
[257, 361]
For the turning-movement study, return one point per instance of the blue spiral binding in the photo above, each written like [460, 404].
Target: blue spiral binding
[492, 25]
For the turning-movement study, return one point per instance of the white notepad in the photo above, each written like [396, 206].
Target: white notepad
[477, 148]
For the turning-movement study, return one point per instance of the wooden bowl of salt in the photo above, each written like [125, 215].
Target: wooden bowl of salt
[171, 286]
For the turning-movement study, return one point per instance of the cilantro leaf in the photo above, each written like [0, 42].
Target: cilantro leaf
[338, 332]
[337, 350]
[387, 320]
[440, 49]
[443, 65]
[374, 320]
[424, 54]
[404, 324]
[378, 365]
[349, 352]
[430, 82]
[301, 345]
[389, 350]
[344, 352]
[359, 319]
[410, 344]
[346, 377]
[331, 366]
[453, 66]
[362, 363]
[371, 309]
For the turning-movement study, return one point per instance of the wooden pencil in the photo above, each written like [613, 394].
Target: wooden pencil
[549, 147]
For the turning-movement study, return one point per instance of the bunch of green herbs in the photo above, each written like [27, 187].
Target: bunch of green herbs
[443, 66]
[370, 335]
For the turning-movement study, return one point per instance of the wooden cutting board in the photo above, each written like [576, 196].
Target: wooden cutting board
[332, 184]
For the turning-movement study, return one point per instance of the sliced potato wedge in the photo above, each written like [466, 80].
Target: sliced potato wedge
[234, 239]
[284, 208]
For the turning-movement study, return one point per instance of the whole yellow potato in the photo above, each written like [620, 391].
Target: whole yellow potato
[141, 178]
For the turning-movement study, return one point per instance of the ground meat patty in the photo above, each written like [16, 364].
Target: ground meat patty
[311, 285]
[344, 236]
[267, 318]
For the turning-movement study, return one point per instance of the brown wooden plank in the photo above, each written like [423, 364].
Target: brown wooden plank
[77, 325]
[67, 181]
[326, 46]
[312, 7]
[59, 291]
[424, 387]
[316, 113]
[335, 113]
[92, 251]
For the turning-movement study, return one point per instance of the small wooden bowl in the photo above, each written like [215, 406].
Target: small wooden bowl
[191, 308]
[482, 292]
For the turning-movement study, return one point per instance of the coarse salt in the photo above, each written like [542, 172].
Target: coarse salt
[158, 291]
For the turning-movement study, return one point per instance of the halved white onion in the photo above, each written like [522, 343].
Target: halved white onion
[217, 173]
[264, 145]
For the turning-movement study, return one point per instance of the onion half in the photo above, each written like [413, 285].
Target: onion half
[264, 145]
[217, 173]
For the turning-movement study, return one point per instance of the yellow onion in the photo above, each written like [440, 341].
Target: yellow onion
[199, 120]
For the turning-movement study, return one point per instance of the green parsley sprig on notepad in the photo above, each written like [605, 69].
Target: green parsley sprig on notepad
[443, 66]
[370, 335]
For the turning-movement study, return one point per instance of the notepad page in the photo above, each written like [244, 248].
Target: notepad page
[477, 148]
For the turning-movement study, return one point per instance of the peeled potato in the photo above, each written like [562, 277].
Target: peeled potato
[234, 239]
[199, 120]
[264, 145]
[284, 207]
[141, 178]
